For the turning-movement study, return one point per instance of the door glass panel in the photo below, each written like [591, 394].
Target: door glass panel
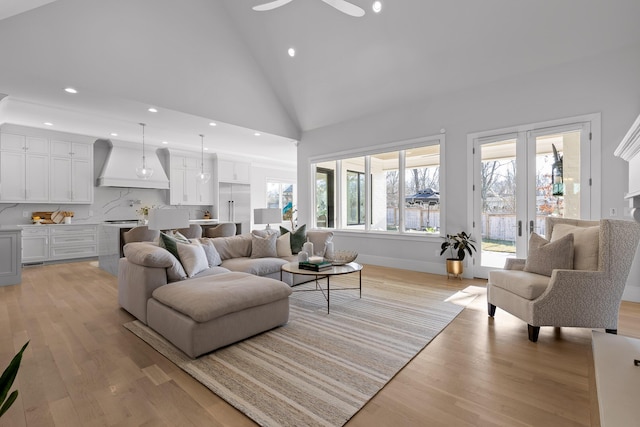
[557, 177]
[498, 202]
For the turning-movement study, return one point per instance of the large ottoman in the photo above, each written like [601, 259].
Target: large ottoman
[202, 314]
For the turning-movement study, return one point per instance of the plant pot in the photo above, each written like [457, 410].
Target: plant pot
[455, 267]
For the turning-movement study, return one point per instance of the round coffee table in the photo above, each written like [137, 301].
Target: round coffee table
[334, 270]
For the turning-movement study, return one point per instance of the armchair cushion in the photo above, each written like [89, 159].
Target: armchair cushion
[545, 256]
[526, 285]
[585, 244]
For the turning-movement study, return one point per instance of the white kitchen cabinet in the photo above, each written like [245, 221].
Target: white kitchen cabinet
[73, 241]
[71, 172]
[38, 166]
[24, 168]
[184, 187]
[233, 171]
[35, 244]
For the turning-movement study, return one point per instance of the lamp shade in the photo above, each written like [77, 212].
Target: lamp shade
[168, 219]
[267, 216]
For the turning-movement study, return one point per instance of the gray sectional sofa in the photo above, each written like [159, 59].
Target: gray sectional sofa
[237, 293]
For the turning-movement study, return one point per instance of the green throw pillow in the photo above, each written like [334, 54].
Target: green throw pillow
[171, 243]
[298, 237]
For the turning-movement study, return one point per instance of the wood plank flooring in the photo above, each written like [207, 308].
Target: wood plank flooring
[82, 368]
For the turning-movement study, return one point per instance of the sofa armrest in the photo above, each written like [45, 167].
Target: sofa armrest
[514, 264]
[150, 255]
[136, 284]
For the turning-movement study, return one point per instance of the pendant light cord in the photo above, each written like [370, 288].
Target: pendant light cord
[144, 162]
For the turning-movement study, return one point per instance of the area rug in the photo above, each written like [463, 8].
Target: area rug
[320, 369]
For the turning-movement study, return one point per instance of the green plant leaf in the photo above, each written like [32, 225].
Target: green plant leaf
[12, 398]
[7, 378]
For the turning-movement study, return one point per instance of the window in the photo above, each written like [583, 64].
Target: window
[280, 195]
[394, 191]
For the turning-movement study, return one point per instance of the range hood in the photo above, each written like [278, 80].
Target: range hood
[123, 158]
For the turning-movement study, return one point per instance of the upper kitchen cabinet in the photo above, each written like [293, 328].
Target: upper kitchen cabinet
[71, 172]
[184, 186]
[42, 166]
[233, 171]
[24, 168]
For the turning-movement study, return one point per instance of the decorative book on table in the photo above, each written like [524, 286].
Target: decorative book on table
[314, 266]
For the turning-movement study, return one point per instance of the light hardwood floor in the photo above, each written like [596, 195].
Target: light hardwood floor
[82, 368]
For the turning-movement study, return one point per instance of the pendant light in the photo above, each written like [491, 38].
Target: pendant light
[203, 177]
[144, 172]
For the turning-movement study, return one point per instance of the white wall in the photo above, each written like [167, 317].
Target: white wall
[607, 83]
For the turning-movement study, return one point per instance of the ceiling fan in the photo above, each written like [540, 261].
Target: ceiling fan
[342, 5]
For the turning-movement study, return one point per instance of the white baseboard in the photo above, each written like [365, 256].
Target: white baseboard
[631, 293]
[409, 264]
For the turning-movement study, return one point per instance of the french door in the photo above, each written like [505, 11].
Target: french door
[520, 178]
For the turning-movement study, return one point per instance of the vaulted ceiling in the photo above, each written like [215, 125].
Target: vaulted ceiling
[199, 61]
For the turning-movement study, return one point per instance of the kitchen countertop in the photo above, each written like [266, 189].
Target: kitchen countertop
[10, 228]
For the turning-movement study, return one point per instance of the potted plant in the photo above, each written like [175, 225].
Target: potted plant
[458, 246]
[6, 380]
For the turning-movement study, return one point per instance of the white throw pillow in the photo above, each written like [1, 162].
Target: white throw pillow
[263, 247]
[192, 257]
[213, 257]
[283, 245]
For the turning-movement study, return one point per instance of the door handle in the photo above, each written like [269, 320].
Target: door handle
[530, 226]
[519, 228]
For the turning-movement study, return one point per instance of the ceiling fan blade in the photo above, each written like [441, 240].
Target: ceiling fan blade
[346, 7]
[271, 5]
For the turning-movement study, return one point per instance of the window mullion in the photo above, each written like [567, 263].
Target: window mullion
[401, 190]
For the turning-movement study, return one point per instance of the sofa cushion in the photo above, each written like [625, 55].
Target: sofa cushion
[545, 256]
[206, 298]
[526, 285]
[586, 242]
[319, 238]
[212, 271]
[283, 245]
[233, 247]
[263, 247]
[149, 254]
[192, 257]
[257, 266]
[298, 237]
[213, 257]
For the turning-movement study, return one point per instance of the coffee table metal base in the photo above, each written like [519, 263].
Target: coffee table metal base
[352, 267]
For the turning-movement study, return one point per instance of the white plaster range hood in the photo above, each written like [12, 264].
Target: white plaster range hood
[123, 158]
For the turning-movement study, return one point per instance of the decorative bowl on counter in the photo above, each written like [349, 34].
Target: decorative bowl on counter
[342, 257]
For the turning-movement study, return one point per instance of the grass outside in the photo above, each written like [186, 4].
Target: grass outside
[499, 246]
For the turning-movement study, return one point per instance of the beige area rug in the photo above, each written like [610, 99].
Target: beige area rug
[320, 369]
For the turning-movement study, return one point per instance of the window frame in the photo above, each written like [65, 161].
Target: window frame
[401, 147]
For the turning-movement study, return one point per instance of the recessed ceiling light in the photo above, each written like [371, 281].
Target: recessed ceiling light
[165, 142]
[257, 134]
[153, 110]
[377, 6]
[48, 124]
[213, 124]
[291, 52]
[114, 134]
[70, 90]
[206, 149]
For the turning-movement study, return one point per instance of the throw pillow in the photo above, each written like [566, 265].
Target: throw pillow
[169, 242]
[263, 247]
[213, 257]
[586, 241]
[192, 257]
[283, 245]
[545, 256]
[265, 233]
[298, 237]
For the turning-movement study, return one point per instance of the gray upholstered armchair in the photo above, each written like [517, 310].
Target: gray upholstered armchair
[587, 296]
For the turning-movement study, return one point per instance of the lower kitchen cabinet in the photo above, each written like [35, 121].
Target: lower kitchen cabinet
[10, 268]
[42, 243]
